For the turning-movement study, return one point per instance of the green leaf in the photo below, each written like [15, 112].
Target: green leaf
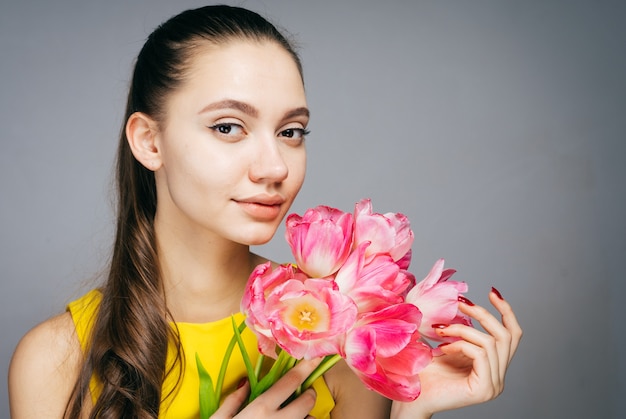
[244, 355]
[209, 401]
[229, 351]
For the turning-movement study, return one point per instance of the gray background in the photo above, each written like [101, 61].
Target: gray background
[498, 127]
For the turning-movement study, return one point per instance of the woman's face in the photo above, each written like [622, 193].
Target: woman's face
[231, 146]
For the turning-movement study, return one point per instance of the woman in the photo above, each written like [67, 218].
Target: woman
[210, 159]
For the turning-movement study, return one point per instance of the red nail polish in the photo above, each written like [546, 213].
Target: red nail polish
[497, 293]
[242, 382]
[443, 344]
[439, 326]
[465, 300]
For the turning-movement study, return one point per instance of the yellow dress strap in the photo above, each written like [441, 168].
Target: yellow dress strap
[209, 341]
[83, 312]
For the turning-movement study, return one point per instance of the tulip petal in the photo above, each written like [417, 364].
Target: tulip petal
[320, 240]
[360, 350]
[389, 233]
[438, 299]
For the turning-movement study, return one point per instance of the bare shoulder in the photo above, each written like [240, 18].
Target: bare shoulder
[352, 398]
[44, 368]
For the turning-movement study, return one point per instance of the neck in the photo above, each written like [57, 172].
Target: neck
[203, 277]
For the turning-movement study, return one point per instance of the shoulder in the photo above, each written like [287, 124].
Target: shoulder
[44, 368]
[51, 343]
[352, 398]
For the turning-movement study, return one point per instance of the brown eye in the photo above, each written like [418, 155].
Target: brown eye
[224, 129]
[297, 133]
[228, 131]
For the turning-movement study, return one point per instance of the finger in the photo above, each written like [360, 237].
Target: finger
[301, 406]
[480, 382]
[495, 328]
[496, 341]
[481, 341]
[232, 403]
[509, 320]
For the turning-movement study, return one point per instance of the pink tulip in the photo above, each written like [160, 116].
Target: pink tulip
[392, 381]
[385, 351]
[351, 295]
[375, 282]
[388, 233]
[320, 240]
[438, 300]
[309, 318]
[261, 283]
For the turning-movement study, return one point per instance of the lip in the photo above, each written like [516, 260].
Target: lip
[262, 200]
[262, 207]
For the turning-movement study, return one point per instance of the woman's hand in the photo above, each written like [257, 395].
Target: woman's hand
[472, 369]
[268, 404]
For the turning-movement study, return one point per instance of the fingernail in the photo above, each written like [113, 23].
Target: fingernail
[443, 344]
[439, 326]
[497, 293]
[464, 300]
[242, 382]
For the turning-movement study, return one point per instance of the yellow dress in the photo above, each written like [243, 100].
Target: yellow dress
[209, 340]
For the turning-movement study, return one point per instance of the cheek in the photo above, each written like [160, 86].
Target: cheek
[297, 169]
[199, 171]
[191, 151]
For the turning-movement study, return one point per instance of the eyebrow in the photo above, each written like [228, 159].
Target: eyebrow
[302, 111]
[231, 104]
[249, 109]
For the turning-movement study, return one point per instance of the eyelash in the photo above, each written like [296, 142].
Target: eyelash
[303, 132]
[218, 127]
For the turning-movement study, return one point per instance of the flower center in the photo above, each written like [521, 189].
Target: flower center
[306, 313]
[304, 317]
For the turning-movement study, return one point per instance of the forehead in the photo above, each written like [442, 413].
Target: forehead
[243, 70]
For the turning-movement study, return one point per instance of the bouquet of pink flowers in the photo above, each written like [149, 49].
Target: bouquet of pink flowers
[349, 296]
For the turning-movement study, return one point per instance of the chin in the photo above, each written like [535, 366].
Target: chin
[255, 242]
[258, 238]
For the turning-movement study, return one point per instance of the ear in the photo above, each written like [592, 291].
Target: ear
[141, 132]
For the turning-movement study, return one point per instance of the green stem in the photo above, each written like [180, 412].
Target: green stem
[226, 360]
[324, 366]
[291, 362]
[270, 377]
[281, 366]
[259, 365]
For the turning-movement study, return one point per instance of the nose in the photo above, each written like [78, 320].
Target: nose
[268, 164]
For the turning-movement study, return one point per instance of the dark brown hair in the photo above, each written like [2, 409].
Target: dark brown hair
[130, 338]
